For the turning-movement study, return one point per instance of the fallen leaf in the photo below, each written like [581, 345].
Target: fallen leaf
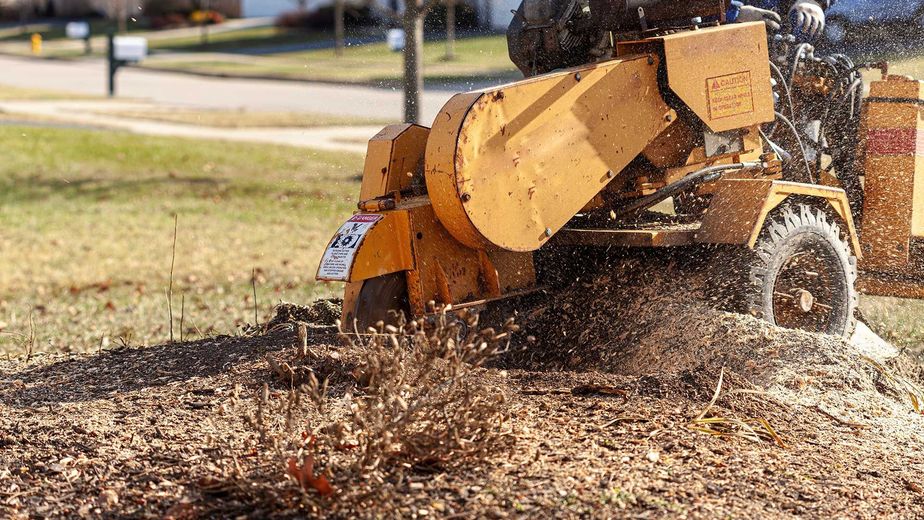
[305, 476]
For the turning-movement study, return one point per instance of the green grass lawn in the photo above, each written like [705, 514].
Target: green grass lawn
[88, 219]
[231, 41]
[484, 56]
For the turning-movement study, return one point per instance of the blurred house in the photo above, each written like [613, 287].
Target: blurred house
[73, 8]
[492, 14]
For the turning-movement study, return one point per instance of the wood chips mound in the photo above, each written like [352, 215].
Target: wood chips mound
[617, 410]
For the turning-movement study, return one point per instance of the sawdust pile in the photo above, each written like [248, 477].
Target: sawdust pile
[657, 317]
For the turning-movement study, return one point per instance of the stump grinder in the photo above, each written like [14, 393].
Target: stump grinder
[647, 124]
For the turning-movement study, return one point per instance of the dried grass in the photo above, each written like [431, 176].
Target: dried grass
[397, 400]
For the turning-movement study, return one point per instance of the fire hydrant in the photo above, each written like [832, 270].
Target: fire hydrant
[36, 43]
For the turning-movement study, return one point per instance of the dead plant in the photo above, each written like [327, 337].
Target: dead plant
[415, 399]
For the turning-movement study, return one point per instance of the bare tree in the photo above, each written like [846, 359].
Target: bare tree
[412, 21]
[339, 29]
[450, 29]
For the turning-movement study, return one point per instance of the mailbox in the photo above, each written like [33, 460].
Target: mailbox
[395, 39]
[130, 48]
[77, 30]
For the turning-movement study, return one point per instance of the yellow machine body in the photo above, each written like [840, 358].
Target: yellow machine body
[460, 208]
[892, 149]
[508, 167]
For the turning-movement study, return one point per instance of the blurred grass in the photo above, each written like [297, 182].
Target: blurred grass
[234, 40]
[9, 93]
[241, 118]
[477, 57]
[899, 321]
[87, 220]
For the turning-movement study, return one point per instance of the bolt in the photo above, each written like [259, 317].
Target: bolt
[577, 76]
[610, 174]
[651, 60]
[548, 232]
[668, 118]
[466, 197]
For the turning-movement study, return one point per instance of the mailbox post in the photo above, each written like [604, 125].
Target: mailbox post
[124, 50]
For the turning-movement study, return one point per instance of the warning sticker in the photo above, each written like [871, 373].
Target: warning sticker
[337, 261]
[730, 95]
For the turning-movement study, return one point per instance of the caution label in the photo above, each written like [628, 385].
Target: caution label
[337, 261]
[730, 95]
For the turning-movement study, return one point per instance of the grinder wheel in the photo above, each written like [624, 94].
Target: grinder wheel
[380, 299]
[802, 274]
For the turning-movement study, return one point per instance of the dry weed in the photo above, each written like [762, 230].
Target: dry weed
[414, 400]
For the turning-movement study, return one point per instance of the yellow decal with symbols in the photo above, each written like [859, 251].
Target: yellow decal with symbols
[730, 95]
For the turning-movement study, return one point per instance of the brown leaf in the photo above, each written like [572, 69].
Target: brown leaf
[305, 476]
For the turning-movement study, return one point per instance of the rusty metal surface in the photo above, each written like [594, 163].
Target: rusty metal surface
[893, 164]
[739, 208]
[447, 271]
[531, 154]
[727, 90]
[735, 210]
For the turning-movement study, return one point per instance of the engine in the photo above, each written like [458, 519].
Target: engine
[551, 34]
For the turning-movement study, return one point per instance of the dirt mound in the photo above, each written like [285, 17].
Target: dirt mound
[658, 318]
[157, 432]
[322, 313]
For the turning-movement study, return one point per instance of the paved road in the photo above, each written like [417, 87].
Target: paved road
[89, 77]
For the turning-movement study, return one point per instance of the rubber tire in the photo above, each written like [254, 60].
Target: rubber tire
[377, 298]
[781, 237]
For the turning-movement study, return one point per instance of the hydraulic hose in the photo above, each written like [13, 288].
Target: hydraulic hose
[707, 174]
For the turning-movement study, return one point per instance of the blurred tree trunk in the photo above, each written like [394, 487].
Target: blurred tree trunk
[450, 29]
[413, 22]
[117, 10]
[204, 36]
[339, 31]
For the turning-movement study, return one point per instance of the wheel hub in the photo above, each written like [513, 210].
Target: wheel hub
[805, 301]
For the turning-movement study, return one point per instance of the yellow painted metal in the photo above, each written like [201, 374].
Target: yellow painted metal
[507, 167]
[393, 157]
[385, 249]
[446, 271]
[739, 208]
[727, 89]
[892, 133]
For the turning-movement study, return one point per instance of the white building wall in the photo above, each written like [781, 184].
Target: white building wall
[500, 14]
[252, 8]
